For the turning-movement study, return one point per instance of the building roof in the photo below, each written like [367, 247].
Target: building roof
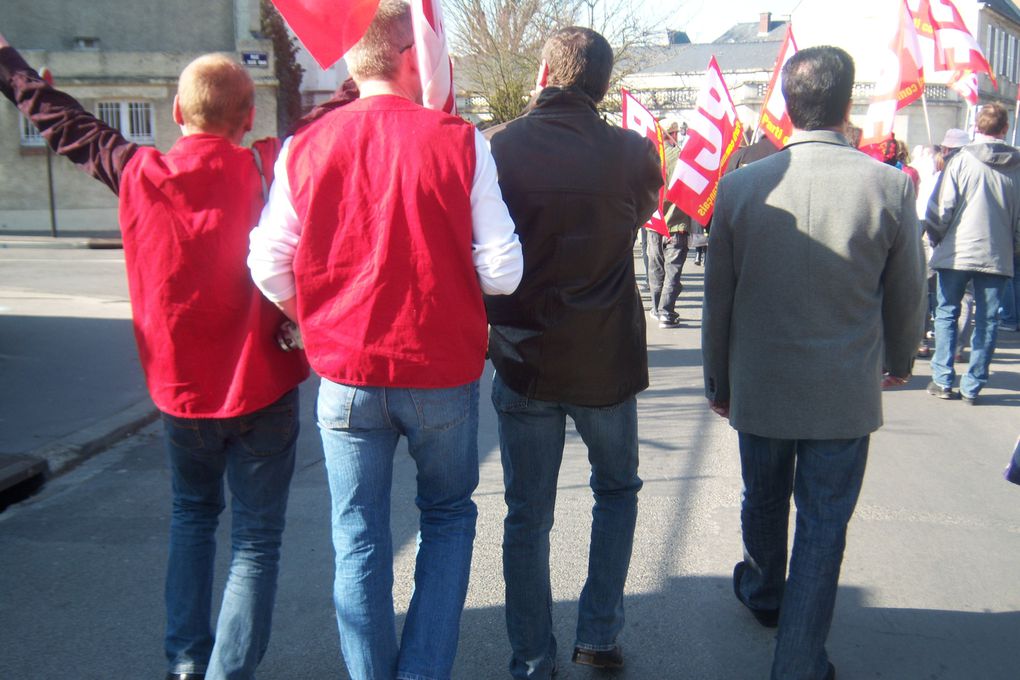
[1006, 8]
[748, 56]
[750, 32]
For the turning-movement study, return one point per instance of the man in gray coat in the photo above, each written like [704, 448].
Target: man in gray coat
[973, 220]
[813, 303]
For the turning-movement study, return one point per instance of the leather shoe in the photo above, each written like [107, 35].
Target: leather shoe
[604, 658]
[185, 676]
[766, 617]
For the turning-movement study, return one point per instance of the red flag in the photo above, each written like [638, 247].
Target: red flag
[955, 47]
[434, 62]
[900, 81]
[636, 117]
[920, 11]
[965, 84]
[328, 28]
[775, 122]
[713, 135]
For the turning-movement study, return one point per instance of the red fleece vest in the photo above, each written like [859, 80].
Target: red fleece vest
[387, 292]
[206, 335]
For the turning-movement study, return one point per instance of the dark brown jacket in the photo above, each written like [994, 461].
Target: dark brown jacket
[578, 189]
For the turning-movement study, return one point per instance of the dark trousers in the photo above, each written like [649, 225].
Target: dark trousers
[666, 257]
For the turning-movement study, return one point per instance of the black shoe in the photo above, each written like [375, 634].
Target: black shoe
[766, 617]
[185, 676]
[936, 390]
[831, 675]
[606, 658]
[669, 320]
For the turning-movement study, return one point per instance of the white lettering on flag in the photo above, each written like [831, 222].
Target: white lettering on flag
[713, 135]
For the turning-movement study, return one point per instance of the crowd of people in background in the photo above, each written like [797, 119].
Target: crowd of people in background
[401, 247]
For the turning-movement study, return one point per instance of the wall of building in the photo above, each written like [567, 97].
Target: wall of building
[142, 48]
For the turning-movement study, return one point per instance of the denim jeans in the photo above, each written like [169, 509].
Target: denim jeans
[360, 427]
[1009, 313]
[825, 479]
[255, 453]
[987, 298]
[531, 438]
[666, 258]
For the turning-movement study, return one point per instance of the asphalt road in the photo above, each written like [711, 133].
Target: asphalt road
[929, 586]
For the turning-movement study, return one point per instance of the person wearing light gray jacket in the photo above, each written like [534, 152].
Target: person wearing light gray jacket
[973, 219]
[794, 353]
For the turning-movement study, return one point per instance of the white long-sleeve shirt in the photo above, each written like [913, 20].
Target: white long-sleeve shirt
[496, 250]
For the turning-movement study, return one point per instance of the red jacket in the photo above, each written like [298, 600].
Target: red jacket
[387, 292]
[206, 335]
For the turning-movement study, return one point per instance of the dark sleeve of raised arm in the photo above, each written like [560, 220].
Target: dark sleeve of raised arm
[69, 129]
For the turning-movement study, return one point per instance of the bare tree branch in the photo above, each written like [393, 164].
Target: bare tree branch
[499, 42]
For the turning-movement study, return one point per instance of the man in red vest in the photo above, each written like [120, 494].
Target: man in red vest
[206, 339]
[384, 227]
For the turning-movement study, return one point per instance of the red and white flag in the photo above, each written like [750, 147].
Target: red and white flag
[965, 84]
[955, 46]
[434, 62]
[900, 81]
[328, 28]
[712, 136]
[636, 117]
[920, 11]
[775, 122]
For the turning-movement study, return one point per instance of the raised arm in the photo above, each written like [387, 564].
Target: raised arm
[69, 129]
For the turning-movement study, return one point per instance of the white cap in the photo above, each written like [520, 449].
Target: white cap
[955, 138]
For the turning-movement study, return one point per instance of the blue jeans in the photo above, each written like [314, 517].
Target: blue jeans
[951, 286]
[824, 477]
[1009, 314]
[531, 438]
[360, 427]
[255, 453]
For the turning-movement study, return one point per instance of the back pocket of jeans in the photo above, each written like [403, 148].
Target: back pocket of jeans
[444, 408]
[333, 405]
[183, 433]
[269, 431]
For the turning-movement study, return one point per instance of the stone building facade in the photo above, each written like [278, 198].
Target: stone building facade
[121, 60]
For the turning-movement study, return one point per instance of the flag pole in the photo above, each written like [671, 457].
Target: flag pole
[1016, 120]
[927, 121]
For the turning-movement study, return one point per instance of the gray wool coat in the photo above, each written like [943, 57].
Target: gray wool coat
[814, 283]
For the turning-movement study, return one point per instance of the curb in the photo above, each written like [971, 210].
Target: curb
[61, 243]
[69, 451]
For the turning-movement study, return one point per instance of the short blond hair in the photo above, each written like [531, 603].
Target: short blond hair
[216, 94]
[377, 54]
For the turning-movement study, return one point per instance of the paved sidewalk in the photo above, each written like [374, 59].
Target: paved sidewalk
[72, 381]
[92, 240]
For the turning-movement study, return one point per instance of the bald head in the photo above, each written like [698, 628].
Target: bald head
[216, 95]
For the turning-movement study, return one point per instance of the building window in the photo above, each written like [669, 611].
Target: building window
[133, 119]
[30, 136]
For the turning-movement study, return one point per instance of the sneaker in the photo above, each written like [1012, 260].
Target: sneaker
[653, 315]
[669, 321]
[924, 351]
[970, 401]
[936, 390]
